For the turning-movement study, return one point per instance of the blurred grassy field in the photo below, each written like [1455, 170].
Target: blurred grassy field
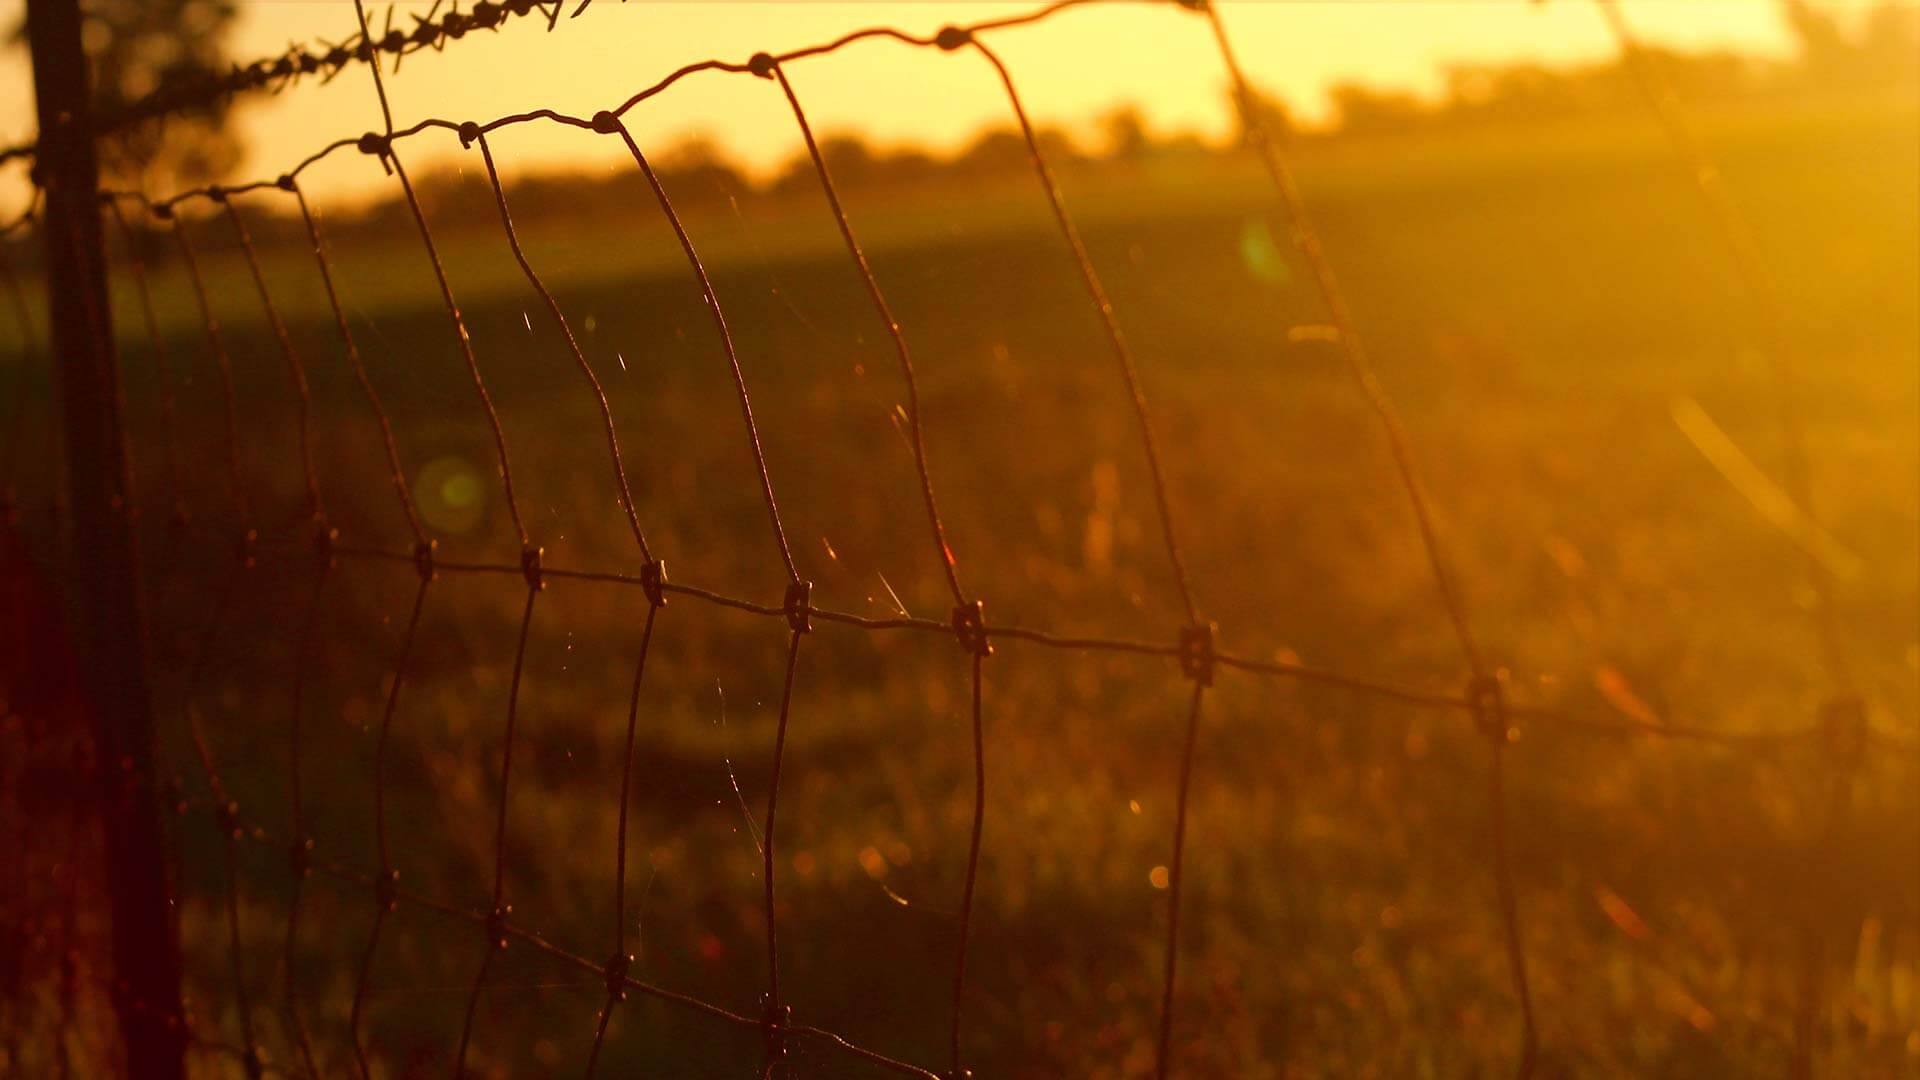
[1539, 303]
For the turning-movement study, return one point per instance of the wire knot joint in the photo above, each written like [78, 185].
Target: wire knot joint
[497, 926]
[653, 582]
[1487, 700]
[763, 65]
[615, 973]
[423, 558]
[953, 37]
[530, 568]
[774, 1022]
[1196, 652]
[605, 123]
[300, 857]
[386, 890]
[799, 606]
[227, 815]
[970, 627]
[326, 540]
[469, 131]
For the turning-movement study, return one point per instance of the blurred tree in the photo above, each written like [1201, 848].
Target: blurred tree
[1824, 50]
[135, 47]
[1363, 109]
[849, 159]
[1267, 108]
[1004, 150]
[1124, 131]
[1882, 54]
[1521, 91]
[1890, 41]
[698, 168]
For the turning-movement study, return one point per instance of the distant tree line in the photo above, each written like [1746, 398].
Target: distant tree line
[1882, 56]
[138, 47]
[1878, 57]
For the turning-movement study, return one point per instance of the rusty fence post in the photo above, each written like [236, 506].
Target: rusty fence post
[105, 590]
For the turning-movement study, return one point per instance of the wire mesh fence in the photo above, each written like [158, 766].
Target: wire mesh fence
[257, 565]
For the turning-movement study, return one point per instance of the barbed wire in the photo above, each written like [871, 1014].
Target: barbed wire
[323, 59]
[308, 539]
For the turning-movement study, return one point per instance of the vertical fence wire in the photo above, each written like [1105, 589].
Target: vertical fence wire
[170, 454]
[387, 878]
[470, 134]
[359, 367]
[968, 618]
[381, 147]
[620, 961]
[226, 813]
[19, 414]
[1485, 686]
[315, 509]
[1197, 637]
[775, 1017]
[1122, 352]
[223, 365]
[1843, 715]
[30, 346]
[300, 851]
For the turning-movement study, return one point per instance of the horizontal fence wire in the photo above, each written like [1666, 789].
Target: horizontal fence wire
[309, 540]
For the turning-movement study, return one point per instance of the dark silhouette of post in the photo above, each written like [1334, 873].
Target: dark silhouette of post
[105, 573]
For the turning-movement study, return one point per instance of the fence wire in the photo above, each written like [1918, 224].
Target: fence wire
[308, 541]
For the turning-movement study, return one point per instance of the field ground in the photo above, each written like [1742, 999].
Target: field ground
[1539, 305]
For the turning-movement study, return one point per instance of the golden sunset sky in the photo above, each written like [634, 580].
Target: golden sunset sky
[1070, 68]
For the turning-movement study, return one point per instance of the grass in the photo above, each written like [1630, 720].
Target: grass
[1537, 304]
